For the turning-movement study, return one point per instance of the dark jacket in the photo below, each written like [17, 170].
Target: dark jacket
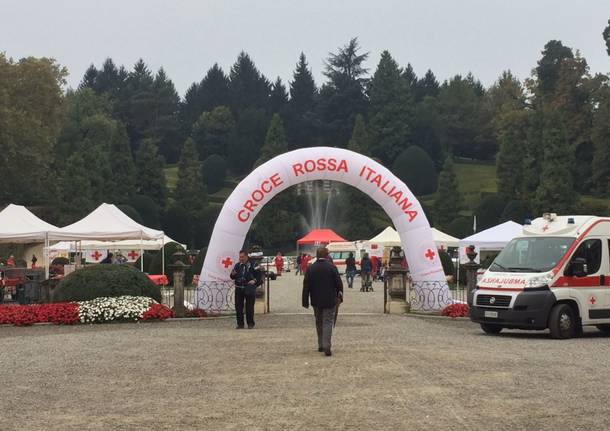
[366, 265]
[350, 264]
[323, 284]
[243, 273]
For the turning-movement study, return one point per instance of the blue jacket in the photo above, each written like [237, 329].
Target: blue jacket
[366, 265]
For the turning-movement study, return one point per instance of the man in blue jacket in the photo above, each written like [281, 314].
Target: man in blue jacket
[323, 285]
[245, 278]
[366, 267]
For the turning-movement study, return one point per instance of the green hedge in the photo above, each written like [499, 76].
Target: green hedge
[105, 280]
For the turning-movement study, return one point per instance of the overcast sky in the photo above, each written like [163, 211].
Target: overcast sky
[187, 37]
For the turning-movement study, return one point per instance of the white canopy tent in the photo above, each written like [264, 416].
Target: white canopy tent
[444, 240]
[108, 223]
[20, 225]
[386, 238]
[492, 239]
[152, 244]
[390, 238]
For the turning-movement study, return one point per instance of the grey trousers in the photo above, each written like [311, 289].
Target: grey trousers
[325, 318]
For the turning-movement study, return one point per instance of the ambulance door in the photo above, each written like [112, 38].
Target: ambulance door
[590, 286]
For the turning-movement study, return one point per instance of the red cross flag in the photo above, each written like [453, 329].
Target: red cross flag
[133, 255]
[95, 256]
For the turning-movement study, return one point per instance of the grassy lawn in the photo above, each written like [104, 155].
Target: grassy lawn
[171, 176]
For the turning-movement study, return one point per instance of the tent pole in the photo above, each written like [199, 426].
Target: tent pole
[163, 255]
[141, 254]
[46, 256]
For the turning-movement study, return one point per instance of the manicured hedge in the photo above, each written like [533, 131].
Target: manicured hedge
[105, 280]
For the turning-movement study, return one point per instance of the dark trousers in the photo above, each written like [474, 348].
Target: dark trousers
[240, 297]
[325, 317]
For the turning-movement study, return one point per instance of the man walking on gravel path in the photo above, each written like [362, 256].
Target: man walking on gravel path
[323, 285]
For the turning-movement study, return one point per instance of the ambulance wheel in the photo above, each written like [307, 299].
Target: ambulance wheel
[604, 328]
[491, 329]
[562, 322]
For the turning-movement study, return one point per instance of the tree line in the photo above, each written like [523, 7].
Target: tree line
[64, 152]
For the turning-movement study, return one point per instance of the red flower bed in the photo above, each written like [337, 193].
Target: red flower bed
[197, 312]
[455, 310]
[23, 315]
[157, 311]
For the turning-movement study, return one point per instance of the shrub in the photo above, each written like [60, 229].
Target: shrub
[460, 227]
[489, 211]
[105, 280]
[169, 249]
[515, 211]
[176, 224]
[416, 169]
[60, 261]
[214, 172]
[148, 210]
[131, 212]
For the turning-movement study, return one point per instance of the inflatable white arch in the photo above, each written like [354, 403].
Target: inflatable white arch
[321, 163]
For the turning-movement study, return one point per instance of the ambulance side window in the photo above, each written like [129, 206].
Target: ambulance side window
[591, 251]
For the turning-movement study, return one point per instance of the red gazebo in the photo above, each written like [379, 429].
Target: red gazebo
[320, 237]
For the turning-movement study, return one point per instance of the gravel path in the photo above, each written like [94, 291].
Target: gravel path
[387, 372]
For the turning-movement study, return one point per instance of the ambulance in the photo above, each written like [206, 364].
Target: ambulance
[339, 251]
[556, 276]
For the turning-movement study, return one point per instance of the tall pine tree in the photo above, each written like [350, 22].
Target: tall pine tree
[301, 124]
[275, 141]
[278, 99]
[212, 132]
[390, 110]
[360, 141]
[556, 190]
[343, 96]
[600, 134]
[509, 163]
[150, 172]
[448, 201]
[190, 193]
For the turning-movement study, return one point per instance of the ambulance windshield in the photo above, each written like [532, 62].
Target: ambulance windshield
[532, 254]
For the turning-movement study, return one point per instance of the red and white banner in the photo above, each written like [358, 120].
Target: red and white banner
[321, 163]
[95, 256]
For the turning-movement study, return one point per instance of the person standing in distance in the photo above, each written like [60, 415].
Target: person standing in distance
[322, 284]
[350, 270]
[366, 268]
[244, 275]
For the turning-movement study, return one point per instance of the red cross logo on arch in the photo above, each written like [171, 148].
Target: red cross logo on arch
[430, 254]
[227, 262]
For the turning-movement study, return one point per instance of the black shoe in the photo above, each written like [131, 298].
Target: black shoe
[328, 353]
[250, 326]
[239, 327]
[320, 349]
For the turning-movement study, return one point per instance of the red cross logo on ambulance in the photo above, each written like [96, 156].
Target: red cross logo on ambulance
[592, 300]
